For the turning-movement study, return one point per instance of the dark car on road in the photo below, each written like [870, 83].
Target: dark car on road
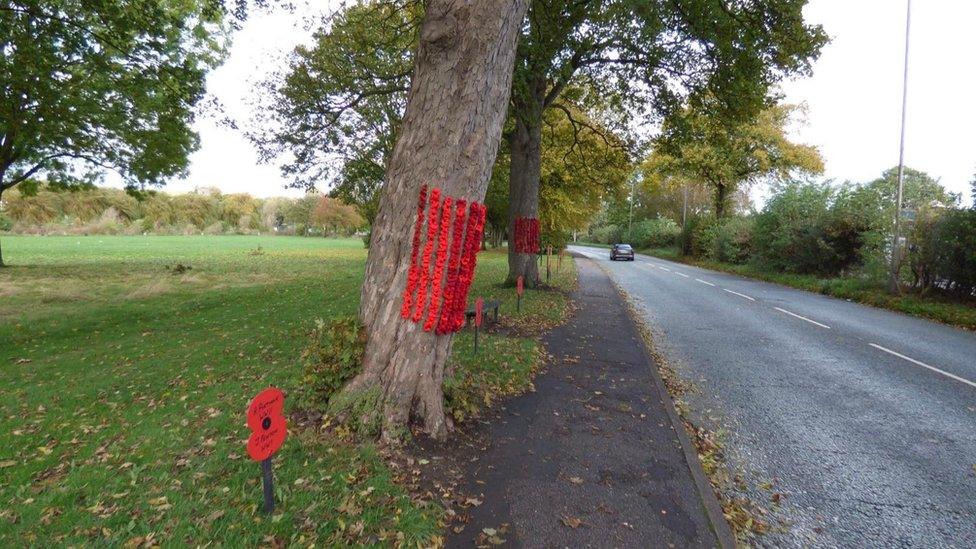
[621, 251]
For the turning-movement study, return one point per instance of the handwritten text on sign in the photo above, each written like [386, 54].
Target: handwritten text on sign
[267, 423]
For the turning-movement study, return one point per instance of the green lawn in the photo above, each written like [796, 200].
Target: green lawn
[126, 381]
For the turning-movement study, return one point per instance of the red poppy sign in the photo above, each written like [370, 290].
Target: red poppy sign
[267, 423]
[519, 286]
[479, 307]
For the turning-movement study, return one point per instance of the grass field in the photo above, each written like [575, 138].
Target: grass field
[126, 378]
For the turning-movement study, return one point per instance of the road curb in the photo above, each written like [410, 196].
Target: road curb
[709, 500]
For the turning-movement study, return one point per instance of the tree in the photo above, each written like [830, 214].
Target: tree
[334, 113]
[449, 137]
[106, 84]
[335, 218]
[646, 54]
[583, 164]
[699, 145]
[632, 53]
[919, 190]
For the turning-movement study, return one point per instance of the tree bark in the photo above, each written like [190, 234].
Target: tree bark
[721, 197]
[449, 139]
[525, 172]
[2, 264]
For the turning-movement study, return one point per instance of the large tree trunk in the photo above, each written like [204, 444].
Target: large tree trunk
[1, 202]
[525, 171]
[448, 139]
[721, 199]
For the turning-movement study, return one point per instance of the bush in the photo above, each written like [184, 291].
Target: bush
[696, 240]
[5, 222]
[952, 252]
[654, 233]
[607, 234]
[731, 240]
[333, 356]
[817, 229]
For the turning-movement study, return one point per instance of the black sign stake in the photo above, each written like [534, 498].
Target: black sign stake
[268, 486]
[476, 338]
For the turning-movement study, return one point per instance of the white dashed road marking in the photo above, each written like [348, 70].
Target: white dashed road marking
[923, 365]
[664, 268]
[681, 274]
[704, 282]
[802, 318]
[740, 295]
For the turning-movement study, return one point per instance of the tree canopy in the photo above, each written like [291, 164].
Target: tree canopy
[109, 84]
[335, 110]
[703, 147]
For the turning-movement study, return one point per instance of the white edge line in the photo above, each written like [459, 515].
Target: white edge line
[923, 365]
[704, 282]
[681, 274]
[740, 295]
[802, 318]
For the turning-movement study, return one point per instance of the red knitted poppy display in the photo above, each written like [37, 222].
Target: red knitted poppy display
[413, 276]
[440, 272]
[526, 235]
[433, 223]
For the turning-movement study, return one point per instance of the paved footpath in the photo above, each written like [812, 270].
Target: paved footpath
[595, 456]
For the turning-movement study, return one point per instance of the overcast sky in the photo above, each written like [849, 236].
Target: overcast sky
[854, 95]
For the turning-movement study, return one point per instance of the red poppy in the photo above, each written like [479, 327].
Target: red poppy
[267, 423]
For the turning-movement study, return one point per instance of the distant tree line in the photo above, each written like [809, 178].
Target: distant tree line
[41, 209]
[818, 228]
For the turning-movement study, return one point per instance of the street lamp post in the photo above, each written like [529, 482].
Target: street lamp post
[893, 285]
[630, 221]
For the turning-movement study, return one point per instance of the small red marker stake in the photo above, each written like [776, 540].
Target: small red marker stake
[479, 307]
[268, 432]
[519, 289]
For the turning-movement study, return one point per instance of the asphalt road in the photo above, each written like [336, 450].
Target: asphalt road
[863, 419]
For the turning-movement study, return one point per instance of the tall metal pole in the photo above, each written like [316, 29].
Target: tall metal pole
[630, 222]
[893, 285]
[684, 210]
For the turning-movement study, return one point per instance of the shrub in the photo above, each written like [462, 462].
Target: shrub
[5, 222]
[697, 238]
[607, 234]
[955, 252]
[815, 228]
[731, 240]
[654, 233]
[333, 356]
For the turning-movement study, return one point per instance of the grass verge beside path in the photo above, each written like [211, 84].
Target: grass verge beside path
[126, 379]
[863, 291]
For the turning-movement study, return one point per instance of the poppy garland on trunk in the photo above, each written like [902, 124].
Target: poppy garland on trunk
[442, 269]
[526, 235]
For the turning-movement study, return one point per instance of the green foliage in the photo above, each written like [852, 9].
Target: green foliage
[943, 254]
[731, 240]
[813, 228]
[51, 210]
[342, 98]
[654, 233]
[333, 218]
[5, 222]
[334, 112]
[608, 234]
[333, 356]
[699, 145]
[104, 84]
